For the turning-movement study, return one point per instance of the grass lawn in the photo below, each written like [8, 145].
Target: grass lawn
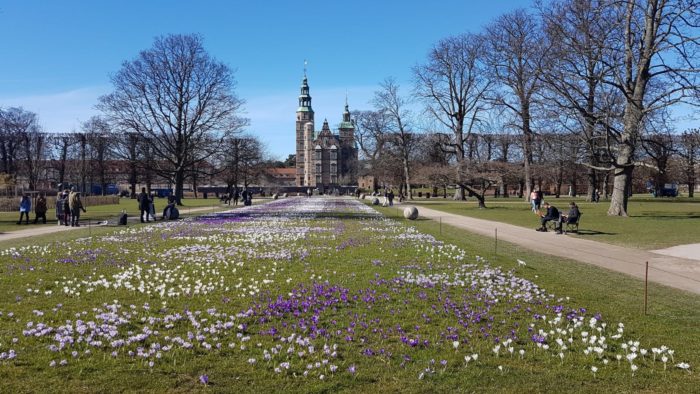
[652, 224]
[320, 295]
[8, 220]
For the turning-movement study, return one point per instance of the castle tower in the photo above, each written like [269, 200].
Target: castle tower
[305, 115]
[348, 153]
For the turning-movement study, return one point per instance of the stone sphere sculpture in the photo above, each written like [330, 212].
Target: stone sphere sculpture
[375, 201]
[410, 213]
[274, 196]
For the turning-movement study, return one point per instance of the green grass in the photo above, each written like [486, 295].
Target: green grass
[652, 224]
[365, 258]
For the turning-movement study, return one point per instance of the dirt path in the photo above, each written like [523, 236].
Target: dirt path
[681, 273]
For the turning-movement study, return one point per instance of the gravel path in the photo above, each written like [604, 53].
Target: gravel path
[674, 269]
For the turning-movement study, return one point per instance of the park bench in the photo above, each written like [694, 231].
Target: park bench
[566, 227]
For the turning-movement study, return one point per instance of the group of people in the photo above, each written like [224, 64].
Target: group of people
[68, 208]
[148, 208]
[389, 197]
[552, 214]
[227, 198]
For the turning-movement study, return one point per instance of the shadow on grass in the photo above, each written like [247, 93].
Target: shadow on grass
[667, 217]
[591, 232]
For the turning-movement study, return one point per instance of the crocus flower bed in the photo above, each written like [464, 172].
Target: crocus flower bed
[296, 294]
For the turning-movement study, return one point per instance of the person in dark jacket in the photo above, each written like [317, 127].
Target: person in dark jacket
[40, 209]
[66, 208]
[552, 213]
[571, 217]
[144, 204]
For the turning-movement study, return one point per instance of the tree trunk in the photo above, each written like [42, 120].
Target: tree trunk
[407, 175]
[179, 185]
[620, 195]
[478, 195]
[606, 185]
[592, 184]
[691, 189]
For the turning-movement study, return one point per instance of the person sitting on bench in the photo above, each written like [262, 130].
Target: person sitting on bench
[571, 217]
[552, 213]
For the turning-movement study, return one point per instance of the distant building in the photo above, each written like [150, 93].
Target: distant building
[322, 158]
[367, 183]
[280, 176]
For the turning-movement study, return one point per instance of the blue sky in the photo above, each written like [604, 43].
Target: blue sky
[57, 56]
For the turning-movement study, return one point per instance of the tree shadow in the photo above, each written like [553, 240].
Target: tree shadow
[668, 217]
[591, 232]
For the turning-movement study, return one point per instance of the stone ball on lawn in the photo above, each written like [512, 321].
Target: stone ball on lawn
[375, 201]
[410, 213]
[274, 196]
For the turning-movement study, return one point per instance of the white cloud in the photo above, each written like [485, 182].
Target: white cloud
[60, 111]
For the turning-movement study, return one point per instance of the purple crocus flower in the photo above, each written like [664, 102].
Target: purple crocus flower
[204, 379]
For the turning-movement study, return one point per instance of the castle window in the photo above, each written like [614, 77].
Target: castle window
[318, 154]
[318, 180]
[318, 168]
[334, 168]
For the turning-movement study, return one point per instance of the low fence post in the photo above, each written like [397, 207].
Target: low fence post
[646, 287]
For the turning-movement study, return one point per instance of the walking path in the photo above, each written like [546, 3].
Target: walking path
[678, 272]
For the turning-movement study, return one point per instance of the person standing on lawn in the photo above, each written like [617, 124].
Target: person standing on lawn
[144, 204]
[25, 206]
[59, 208]
[75, 205]
[40, 209]
[66, 208]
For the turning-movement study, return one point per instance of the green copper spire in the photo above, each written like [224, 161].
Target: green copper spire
[305, 97]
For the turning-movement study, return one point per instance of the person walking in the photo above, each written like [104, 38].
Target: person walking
[144, 205]
[25, 206]
[66, 208]
[40, 209]
[533, 201]
[75, 205]
[236, 196]
[59, 208]
[391, 197]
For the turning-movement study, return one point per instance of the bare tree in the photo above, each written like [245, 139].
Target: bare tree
[388, 101]
[371, 127]
[655, 64]
[9, 141]
[239, 160]
[578, 31]
[516, 49]
[60, 147]
[99, 140]
[180, 99]
[689, 152]
[453, 86]
[28, 143]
